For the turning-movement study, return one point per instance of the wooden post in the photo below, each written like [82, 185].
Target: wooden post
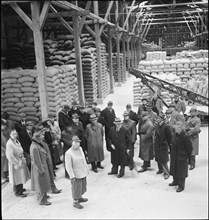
[124, 54]
[99, 71]
[79, 69]
[40, 59]
[109, 43]
[128, 54]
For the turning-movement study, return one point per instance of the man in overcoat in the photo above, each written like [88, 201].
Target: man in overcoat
[83, 117]
[193, 129]
[119, 141]
[20, 125]
[63, 117]
[132, 115]
[109, 116]
[162, 144]
[146, 141]
[94, 136]
[131, 126]
[181, 149]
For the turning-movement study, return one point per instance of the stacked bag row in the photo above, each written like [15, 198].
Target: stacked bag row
[156, 55]
[116, 68]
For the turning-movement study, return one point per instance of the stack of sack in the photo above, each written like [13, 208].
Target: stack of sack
[15, 55]
[194, 54]
[156, 55]
[20, 90]
[115, 67]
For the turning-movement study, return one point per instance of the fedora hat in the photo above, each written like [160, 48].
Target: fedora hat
[117, 121]
[93, 117]
[75, 138]
[193, 109]
[75, 115]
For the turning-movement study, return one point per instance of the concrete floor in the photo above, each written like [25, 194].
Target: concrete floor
[135, 196]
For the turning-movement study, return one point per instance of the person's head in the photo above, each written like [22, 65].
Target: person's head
[144, 115]
[128, 107]
[149, 106]
[74, 104]
[82, 109]
[3, 125]
[23, 116]
[29, 125]
[66, 108]
[144, 101]
[97, 112]
[68, 128]
[126, 115]
[13, 134]
[75, 118]
[93, 118]
[109, 105]
[94, 105]
[39, 132]
[193, 111]
[179, 126]
[75, 142]
[118, 123]
[51, 117]
[176, 97]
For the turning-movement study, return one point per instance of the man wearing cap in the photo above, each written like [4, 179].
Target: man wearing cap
[94, 136]
[119, 143]
[162, 144]
[25, 138]
[109, 116]
[179, 104]
[73, 109]
[146, 141]
[132, 115]
[131, 126]
[63, 117]
[21, 124]
[193, 129]
[83, 117]
[181, 150]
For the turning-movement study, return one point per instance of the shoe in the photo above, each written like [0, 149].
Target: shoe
[111, 173]
[173, 184]
[159, 172]
[21, 195]
[166, 176]
[142, 170]
[179, 189]
[56, 191]
[191, 167]
[95, 170]
[82, 200]
[120, 175]
[77, 205]
[45, 203]
[131, 167]
[101, 167]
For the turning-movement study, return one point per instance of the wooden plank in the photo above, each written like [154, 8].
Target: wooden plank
[109, 46]
[79, 69]
[90, 30]
[81, 23]
[22, 14]
[98, 49]
[65, 23]
[124, 52]
[44, 13]
[40, 59]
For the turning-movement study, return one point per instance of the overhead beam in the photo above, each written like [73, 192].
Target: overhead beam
[170, 22]
[8, 2]
[44, 13]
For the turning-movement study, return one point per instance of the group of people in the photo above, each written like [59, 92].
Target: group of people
[34, 150]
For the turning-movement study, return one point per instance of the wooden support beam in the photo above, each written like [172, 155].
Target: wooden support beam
[98, 49]
[90, 30]
[81, 23]
[124, 53]
[8, 2]
[79, 69]
[65, 23]
[128, 53]
[44, 13]
[109, 45]
[22, 14]
[40, 59]
[106, 16]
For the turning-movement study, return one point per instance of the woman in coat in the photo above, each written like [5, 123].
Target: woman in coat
[119, 141]
[42, 178]
[193, 128]
[163, 138]
[146, 141]
[181, 149]
[94, 136]
[18, 170]
[77, 169]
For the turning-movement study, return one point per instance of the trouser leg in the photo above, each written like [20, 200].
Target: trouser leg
[192, 160]
[41, 197]
[165, 169]
[93, 165]
[146, 164]
[131, 156]
[18, 189]
[181, 183]
[175, 180]
[114, 168]
[160, 167]
[53, 186]
[66, 173]
[122, 170]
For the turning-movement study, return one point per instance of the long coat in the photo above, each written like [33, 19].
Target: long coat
[131, 125]
[18, 170]
[63, 120]
[193, 128]
[109, 118]
[4, 161]
[181, 149]
[41, 167]
[94, 136]
[25, 140]
[122, 141]
[163, 138]
[146, 141]
[133, 116]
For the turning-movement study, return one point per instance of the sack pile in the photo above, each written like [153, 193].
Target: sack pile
[194, 54]
[15, 56]
[115, 67]
[156, 55]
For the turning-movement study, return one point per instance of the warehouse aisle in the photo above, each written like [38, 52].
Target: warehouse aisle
[135, 196]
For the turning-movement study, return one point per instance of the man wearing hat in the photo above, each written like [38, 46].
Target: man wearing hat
[162, 144]
[131, 126]
[146, 141]
[119, 143]
[73, 109]
[63, 117]
[94, 136]
[142, 107]
[108, 114]
[132, 115]
[179, 104]
[193, 129]
[21, 123]
[83, 117]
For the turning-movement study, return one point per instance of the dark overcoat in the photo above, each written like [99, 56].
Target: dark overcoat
[146, 140]
[63, 120]
[25, 140]
[109, 118]
[122, 141]
[84, 119]
[131, 125]
[163, 138]
[181, 149]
